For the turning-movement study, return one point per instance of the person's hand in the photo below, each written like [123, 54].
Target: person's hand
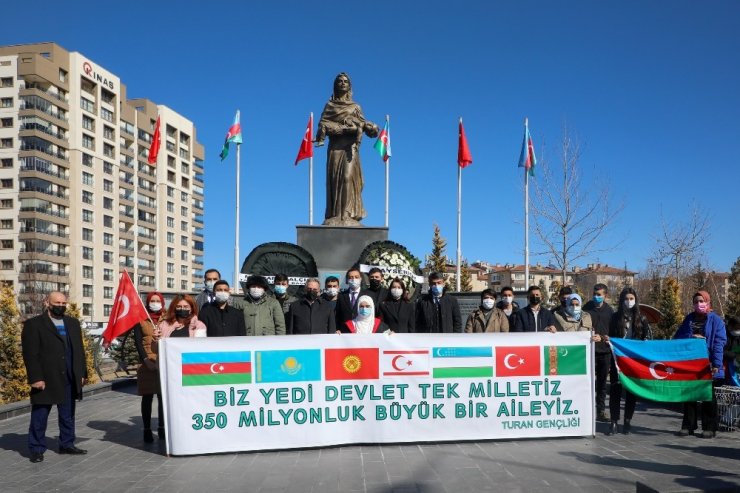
[698, 336]
[318, 143]
[551, 329]
[157, 332]
[606, 338]
[150, 365]
[595, 338]
[40, 385]
[84, 381]
[339, 332]
[715, 370]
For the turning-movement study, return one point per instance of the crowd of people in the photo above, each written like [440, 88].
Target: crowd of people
[52, 345]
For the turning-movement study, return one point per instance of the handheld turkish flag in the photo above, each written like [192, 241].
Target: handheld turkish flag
[306, 149]
[127, 311]
[464, 157]
[154, 148]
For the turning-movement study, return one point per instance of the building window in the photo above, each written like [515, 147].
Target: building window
[184, 285]
[6, 82]
[183, 270]
[108, 203]
[6, 162]
[108, 221]
[6, 224]
[88, 142]
[106, 310]
[107, 274]
[109, 133]
[108, 293]
[107, 185]
[184, 211]
[6, 143]
[87, 234]
[107, 168]
[87, 253]
[6, 265]
[62, 75]
[108, 257]
[106, 115]
[87, 272]
[170, 207]
[87, 197]
[87, 216]
[184, 240]
[170, 283]
[170, 222]
[108, 239]
[87, 309]
[87, 105]
[170, 237]
[87, 179]
[6, 102]
[171, 177]
[88, 123]
[6, 244]
[6, 122]
[170, 268]
[183, 225]
[87, 159]
[170, 191]
[183, 256]
[109, 150]
[6, 204]
[87, 290]
[6, 183]
[170, 252]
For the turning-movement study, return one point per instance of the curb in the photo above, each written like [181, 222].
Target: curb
[20, 408]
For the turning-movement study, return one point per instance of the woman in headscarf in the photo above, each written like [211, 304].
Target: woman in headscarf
[366, 322]
[343, 122]
[572, 317]
[147, 375]
[703, 323]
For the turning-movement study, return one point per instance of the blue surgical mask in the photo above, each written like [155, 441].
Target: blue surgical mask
[437, 289]
[598, 299]
[280, 289]
[364, 311]
[574, 311]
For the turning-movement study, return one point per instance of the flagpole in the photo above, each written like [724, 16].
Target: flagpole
[310, 182]
[387, 175]
[526, 213]
[236, 228]
[459, 220]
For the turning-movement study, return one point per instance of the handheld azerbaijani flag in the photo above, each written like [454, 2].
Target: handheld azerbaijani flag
[233, 135]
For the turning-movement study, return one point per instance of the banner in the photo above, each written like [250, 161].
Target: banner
[279, 392]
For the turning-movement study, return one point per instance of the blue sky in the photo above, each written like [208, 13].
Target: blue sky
[650, 88]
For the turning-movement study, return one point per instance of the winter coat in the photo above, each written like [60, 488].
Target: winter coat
[497, 321]
[525, 321]
[227, 322]
[311, 318]
[568, 324]
[428, 316]
[399, 315]
[715, 335]
[263, 317]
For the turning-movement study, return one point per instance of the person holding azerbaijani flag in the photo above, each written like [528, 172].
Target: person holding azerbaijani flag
[626, 323]
[703, 323]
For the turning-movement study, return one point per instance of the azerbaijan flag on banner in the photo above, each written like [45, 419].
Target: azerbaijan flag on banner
[665, 371]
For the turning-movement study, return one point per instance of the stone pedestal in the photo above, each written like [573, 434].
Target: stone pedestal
[337, 248]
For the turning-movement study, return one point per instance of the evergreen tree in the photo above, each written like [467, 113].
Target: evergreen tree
[124, 352]
[670, 306]
[733, 294]
[13, 378]
[543, 290]
[437, 260]
[466, 277]
[88, 341]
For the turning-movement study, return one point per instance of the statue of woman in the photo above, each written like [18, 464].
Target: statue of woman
[343, 122]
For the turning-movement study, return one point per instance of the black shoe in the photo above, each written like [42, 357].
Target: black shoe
[684, 432]
[602, 417]
[160, 432]
[72, 450]
[36, 457]
[148, 436]
[613, 428]
[707, 434]
[627, 428]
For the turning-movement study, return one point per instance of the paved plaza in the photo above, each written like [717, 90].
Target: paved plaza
[109, 426]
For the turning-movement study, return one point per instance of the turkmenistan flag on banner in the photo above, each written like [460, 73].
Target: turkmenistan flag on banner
[565, 360]
[383, 144]
[233, 135]
[216, 368]
[664, 371]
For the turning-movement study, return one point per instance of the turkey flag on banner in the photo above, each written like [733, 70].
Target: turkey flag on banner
[127, 311]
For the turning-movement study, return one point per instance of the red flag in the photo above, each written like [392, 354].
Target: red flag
[521, 361]
[306, 149]
[154, 148]
[351, 364]
[463, 151]
[127, 311]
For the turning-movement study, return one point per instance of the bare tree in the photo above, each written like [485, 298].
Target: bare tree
[570, 219]
[680, 245]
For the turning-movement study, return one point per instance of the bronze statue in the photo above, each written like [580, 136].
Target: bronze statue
[343, 122]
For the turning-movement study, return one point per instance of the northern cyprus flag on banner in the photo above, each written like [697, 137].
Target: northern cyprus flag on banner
[405, 363]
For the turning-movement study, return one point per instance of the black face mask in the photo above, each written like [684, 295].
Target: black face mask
[57, 311]
[182, 313]
[564, 303]
[311, 295]
[534, 300]
[374, 284]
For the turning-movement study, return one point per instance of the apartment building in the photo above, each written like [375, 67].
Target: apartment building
[78, 200]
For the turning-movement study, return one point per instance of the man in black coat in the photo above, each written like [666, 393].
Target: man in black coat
[312, 314]
[346, 307]
[534, 318]
[54, 356]
[601, 314]
[376, 290]
[222, 319]
[436, 311]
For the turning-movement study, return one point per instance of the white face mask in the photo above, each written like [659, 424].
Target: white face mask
[209, 285]
[488, 303]
[735, 333]
[629, 303]
[155, 307]
[354, 283]
[256, 293]
[508, 299]
[222, 296]
[396, 292]
[332, 291]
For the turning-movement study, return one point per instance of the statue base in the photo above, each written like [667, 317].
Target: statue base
[337, 248]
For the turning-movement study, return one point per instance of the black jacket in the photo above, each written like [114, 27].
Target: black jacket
[310, 318]
[511, 318]
[601, 318]
[524, 320]
[400, 316]
[428, 318]
[44, 354]
[616, 331]
[223, 323]
[378, 297]
[344, 310]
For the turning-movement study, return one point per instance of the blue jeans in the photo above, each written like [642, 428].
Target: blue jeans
[40, 417]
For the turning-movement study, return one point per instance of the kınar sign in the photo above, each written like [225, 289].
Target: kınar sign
[87, 68]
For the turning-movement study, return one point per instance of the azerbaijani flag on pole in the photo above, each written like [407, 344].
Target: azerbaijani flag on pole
[383, 144]
[233, 135]
[527, 159]
[665, 371]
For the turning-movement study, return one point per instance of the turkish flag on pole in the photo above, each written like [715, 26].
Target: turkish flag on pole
[306, 149]
[463, 151]
[154, 148]
[127, 311]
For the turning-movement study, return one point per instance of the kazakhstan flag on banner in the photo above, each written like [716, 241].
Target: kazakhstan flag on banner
[292, 365]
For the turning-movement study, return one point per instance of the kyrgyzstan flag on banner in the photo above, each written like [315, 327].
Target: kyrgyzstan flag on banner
[306, 149]
[464, 157]
[351, 364]
[127, 311]
[154, 148]
[518, 361]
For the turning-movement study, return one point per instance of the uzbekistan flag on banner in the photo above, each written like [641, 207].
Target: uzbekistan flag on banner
[565, 360]
[296, 365]
[665, 371]
[233, 135]
[217, 368]
[408, 363]
[383, 144]
[462, 362]
[527, 159]
[351, 364]
[518, 361]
